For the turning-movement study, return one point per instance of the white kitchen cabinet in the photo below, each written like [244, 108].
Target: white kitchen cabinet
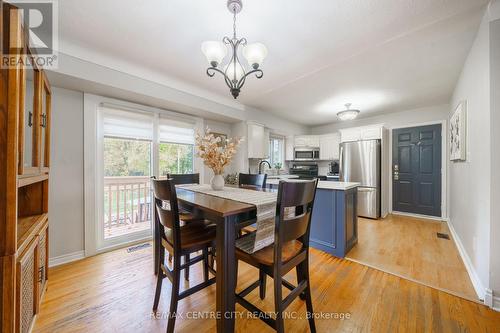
[329, 146]
[258, 141]
[372, 132]
[307, 141]
[289, 145]
[300, 141]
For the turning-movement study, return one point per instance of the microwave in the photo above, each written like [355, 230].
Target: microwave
[306, 154]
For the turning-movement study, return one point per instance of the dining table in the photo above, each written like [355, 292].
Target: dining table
[227, 215]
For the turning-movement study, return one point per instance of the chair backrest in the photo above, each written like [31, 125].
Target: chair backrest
[188, 178]
[252, 180]
[167, 215]
[293, 213]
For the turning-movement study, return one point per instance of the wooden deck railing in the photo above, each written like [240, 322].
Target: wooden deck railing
[127, 200]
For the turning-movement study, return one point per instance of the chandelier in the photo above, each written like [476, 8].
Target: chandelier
[234, 72]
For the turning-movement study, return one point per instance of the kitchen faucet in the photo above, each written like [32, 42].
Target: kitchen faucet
[261, 163]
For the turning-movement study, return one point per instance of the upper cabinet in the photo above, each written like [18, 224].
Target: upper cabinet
[372, 132]
[45, 110]
[258, 141]
[307, 141]
[34, 121]
[289, 145]
[329, 146]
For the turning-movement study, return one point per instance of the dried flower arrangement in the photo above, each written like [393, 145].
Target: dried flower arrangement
[214, 154]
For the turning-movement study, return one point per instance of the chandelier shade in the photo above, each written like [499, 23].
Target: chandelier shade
[214, 51]
[234, 72]
[255, 54]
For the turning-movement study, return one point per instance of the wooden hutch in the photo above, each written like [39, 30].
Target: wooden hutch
[25, 101]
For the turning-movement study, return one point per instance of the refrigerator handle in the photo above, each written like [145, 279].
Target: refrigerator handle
[341, 165]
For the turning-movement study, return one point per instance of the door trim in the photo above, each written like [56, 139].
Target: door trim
[444, 165]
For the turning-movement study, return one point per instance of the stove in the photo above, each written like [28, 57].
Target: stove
[305, 171]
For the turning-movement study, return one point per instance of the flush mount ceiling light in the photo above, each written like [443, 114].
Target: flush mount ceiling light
[234, 72]
[348, 114]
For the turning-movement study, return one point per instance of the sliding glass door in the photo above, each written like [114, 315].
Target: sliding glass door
[134, 146]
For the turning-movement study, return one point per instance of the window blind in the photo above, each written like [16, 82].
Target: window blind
[175, 131]
[127, 124]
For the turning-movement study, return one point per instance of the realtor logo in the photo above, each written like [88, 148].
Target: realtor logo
[40, 24]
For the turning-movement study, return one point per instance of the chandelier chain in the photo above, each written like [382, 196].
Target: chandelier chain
[234, 23]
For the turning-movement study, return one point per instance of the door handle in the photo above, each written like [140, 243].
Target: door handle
[341, 171]
[30, 119]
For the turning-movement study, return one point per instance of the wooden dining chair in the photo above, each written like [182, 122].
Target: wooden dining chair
[290, 250]
[185, 215]
[252, 180]
[179, 241]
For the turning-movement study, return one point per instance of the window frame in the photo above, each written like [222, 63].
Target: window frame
[281, 139]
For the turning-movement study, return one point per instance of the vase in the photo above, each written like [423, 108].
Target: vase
[217, 182]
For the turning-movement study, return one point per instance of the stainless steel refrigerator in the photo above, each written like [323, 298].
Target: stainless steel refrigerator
[360, 162]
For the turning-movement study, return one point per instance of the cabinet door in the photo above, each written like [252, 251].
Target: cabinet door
[325, 147]
[45, 111]
[256, 134]
[313, 141]
[352, 134]
[300, 141]
[266, 143]
[371, 133]
[335, 144]
[27, 287]
[43, 260]
[289, 142]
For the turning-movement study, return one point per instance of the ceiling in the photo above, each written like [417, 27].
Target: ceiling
[380, 55]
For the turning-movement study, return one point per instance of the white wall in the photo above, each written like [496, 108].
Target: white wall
[495, 153]
[66, 173]
[469, 198]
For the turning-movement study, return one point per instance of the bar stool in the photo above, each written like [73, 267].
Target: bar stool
[290, 250]
[179, 241]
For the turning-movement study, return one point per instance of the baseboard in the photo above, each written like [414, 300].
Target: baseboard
[66, 258]
[419, 216]
[476, 282]
[496, 303]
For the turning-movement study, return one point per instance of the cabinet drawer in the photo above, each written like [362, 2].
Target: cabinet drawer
[27, 287]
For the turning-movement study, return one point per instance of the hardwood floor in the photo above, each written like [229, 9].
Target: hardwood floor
[113, 292]
[409, 247]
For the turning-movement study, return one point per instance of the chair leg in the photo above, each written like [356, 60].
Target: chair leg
[307, 291]
[278, 303]
[159, 276]
[159, 280]
[262, 284]
[186, 271]
[300, 277]
[174, 298]
[205, 264]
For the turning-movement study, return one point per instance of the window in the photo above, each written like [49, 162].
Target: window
[133, 144]
[176, 148]
[175, 158]
[276, 151]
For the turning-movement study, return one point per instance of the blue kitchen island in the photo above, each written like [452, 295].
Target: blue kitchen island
[334, 225]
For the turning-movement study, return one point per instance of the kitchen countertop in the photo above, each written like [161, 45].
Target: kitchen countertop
[324, 185]
[282, 176]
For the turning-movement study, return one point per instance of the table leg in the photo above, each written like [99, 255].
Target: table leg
[226, 279]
